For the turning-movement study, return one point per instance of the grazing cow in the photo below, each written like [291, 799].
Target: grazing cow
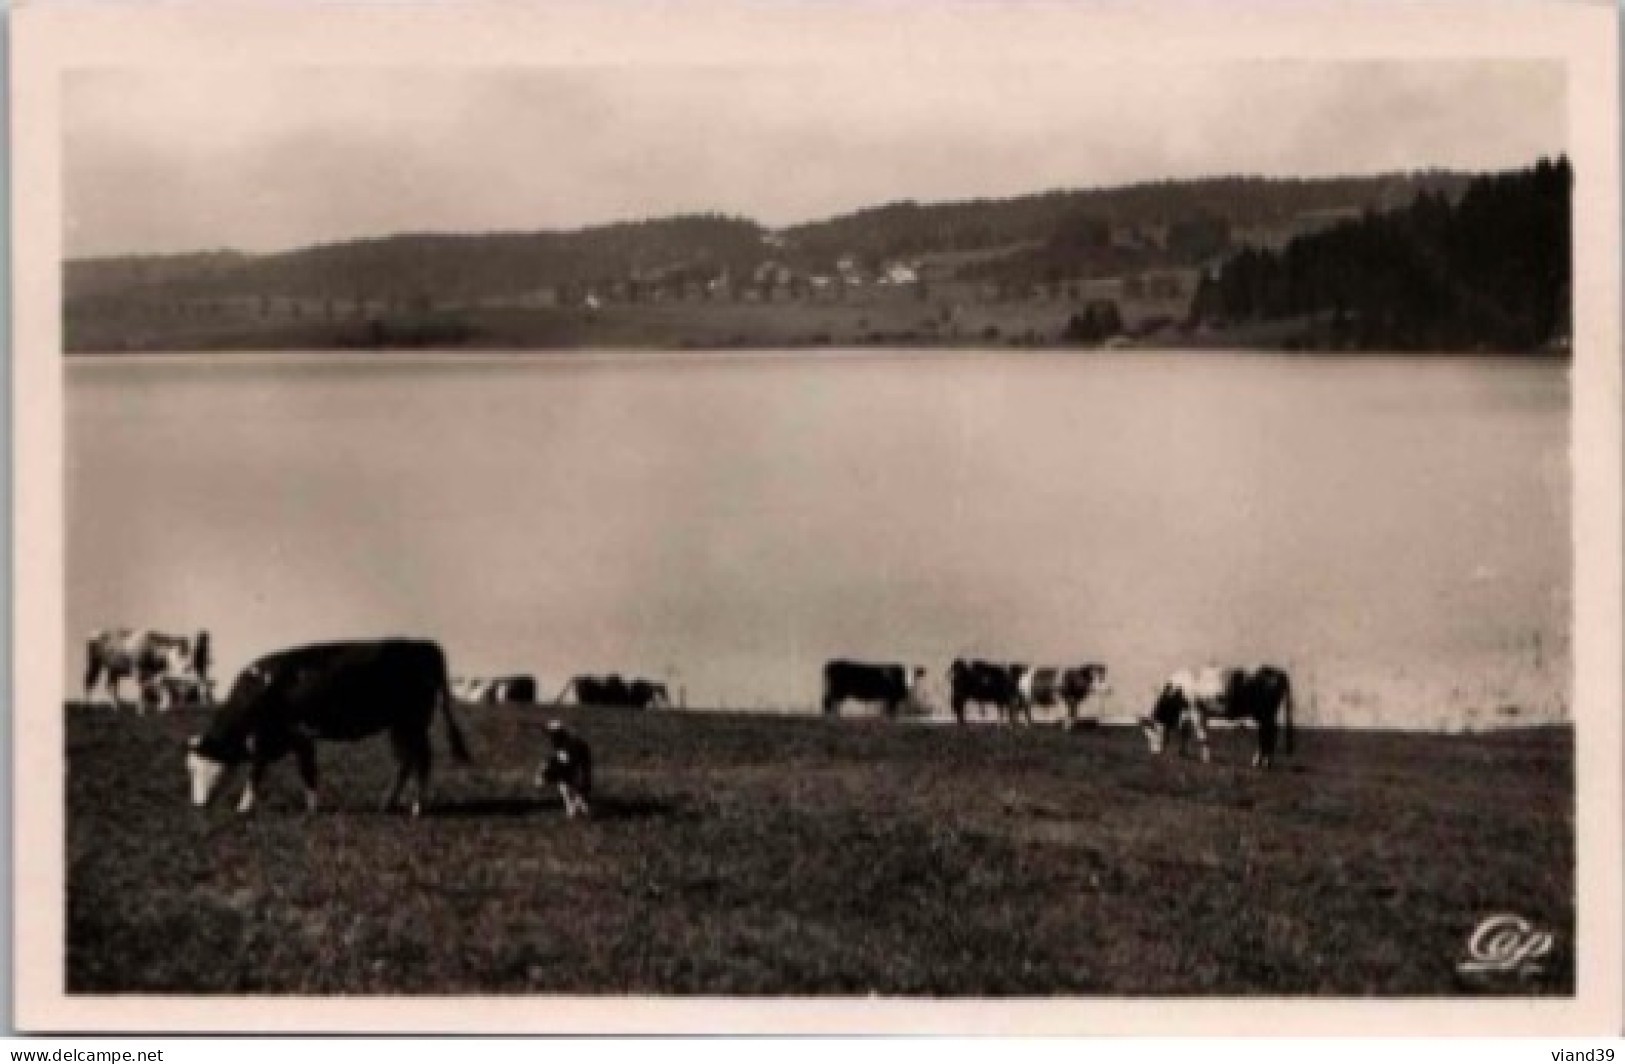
[144, 655]
[338, 692]
[987, 684]
[890, 685]
[1070, 687]
[615, 692]
[569, 768]
[1262, 697]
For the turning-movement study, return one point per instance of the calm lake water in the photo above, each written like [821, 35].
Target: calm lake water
[1396, 531]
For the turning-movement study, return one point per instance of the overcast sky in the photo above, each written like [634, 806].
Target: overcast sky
[160, 161]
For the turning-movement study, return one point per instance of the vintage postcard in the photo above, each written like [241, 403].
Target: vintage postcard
[817, 517]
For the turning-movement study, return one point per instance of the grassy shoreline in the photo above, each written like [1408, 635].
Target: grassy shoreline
[745, 854]
[704, 327]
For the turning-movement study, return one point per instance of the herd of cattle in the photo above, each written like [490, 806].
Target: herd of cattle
[1184, 704]
[285, 702]
[171, 671]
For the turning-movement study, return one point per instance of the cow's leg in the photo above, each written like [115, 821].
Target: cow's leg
[421, 766]
[150, 688]
[1199, 728]
[1266, 742]
[93, 674]
[256, 772]
[304, 752]
[393, 794]
[403, 770]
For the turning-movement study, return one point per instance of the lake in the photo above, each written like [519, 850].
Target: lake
[1396, 531]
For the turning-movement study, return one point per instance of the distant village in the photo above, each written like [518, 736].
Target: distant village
[931, 296]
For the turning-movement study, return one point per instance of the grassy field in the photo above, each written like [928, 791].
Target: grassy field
[747, 854]
[618, 326]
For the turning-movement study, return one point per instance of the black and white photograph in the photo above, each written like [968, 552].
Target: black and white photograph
[738, 509]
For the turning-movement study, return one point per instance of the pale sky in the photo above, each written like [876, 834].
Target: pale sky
[258, 160]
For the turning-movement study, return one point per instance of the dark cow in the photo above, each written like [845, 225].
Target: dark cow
[615, 692]
[646, 694]
[147, 657]
[1048, 687]
[890, 685]
[515, 689]
[338, 692]
[1261, 697]
[987, 683]
[569, 768]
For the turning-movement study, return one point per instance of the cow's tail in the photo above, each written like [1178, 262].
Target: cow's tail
[454, 734]
[564, 691]
[1286, 717]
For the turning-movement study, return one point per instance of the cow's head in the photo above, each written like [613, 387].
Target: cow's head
[1098, 681]
[1164, 719]
[207, 772]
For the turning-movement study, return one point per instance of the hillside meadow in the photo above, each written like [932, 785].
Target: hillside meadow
[752, 854]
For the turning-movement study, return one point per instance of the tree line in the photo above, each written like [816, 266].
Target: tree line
[1490, 271]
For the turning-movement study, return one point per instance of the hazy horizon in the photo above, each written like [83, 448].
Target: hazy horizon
[855, 209]
[262, 161]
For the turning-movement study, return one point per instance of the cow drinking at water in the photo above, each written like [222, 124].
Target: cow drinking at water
[1190, 698]
[337, 692]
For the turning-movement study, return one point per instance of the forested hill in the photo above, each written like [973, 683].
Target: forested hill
[1491, 271]
[1434, 257]
[1161, 223]
[435, 268]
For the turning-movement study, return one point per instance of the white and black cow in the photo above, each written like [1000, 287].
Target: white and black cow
[336, 692]
[1048, 687]
[987, 683]
[889, 685]
[568, 766]
[1261, 697]
[616, 692]
[494, 690]
[146, 656]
